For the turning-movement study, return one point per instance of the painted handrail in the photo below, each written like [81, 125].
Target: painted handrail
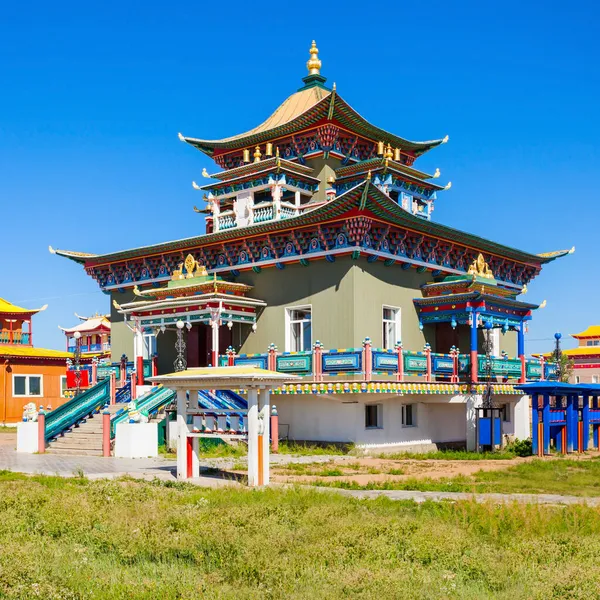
[123, 394]
[72, 412]
[151, 402]
[369, 361]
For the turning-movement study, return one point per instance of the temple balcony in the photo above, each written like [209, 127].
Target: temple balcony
[351, 369]
[15, 338]
[105, 347]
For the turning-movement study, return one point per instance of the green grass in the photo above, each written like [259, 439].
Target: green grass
[71, 539]
[566, 477]
[210, 448]
[449, 455]
[8, 429]
[307, 449]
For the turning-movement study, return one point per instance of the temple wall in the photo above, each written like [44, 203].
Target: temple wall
[346, 297]
[121, 337]
[327, 419]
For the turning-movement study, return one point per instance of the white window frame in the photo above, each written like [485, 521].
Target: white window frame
[594, 378]
[397, 322]
[27, 394]
[379, 408]
[414, 414]
[288, 326]
[65, 389]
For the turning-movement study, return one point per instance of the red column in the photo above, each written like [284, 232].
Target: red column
[368, 359]
[94, 372]
[454, 355]
[189, 453]
[105, 433]
[317, 353]
[139, 369]
[542, 365]
[400, 373]
[41, 432]
[230, 356]
[428, 357]
[272, 360]
[274, 430]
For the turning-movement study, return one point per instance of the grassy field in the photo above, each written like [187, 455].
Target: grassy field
[73, 539]
[561, 476]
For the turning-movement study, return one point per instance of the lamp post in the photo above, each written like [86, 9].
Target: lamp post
[180, 363]
[558, 356]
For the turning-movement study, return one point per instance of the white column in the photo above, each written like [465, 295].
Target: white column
[473, 401]
[182, 430]
[196, 458]
[215, 342]
[138, 344]
[265, 419]
[252, 437]
[522, 417]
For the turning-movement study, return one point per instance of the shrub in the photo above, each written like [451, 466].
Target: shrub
[522, 447]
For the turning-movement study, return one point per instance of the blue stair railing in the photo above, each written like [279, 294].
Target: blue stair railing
[77, 409]
[123, 394]
[151, 402]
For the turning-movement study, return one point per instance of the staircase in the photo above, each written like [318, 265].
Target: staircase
[84, 439]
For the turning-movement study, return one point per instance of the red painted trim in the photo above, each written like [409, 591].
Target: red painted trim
[189, 452]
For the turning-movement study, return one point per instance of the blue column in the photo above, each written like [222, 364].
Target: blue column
[586, 422]
[521, 340]
[558, 439]
[595, 427]
[534, 423]
[571, 425]
[546, 419]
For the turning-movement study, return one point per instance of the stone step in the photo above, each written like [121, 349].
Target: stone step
[73, 452]
[76, 444]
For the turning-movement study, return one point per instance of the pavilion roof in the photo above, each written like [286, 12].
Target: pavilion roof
[593, 331]
[257, 167]
[90, 324]
[33, 353]
[8, 308]
[379, 163]
[364, 197]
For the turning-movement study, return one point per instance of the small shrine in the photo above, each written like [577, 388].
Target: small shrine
[199, 302]
[93, 336]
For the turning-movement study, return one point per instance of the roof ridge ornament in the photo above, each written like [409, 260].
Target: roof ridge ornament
[314, 64]
[480, 268]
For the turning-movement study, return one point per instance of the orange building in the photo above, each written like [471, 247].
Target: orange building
[27, 374]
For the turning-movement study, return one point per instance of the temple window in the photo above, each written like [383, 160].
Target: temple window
[27, 385]
[149, 345]
[374, 416]
[593, 343]
[409, 415]
[505, 412]
[63, 386]
[391, 327]
[262, 196]
[298, 329]
[594, 378]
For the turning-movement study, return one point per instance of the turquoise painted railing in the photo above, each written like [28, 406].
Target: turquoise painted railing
[123, 394]
[72, 412]
[150, 402]
[352, 362]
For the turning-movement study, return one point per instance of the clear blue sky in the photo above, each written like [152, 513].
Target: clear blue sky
[93, 95]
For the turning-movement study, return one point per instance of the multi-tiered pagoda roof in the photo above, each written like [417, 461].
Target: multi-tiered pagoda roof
[316, 181]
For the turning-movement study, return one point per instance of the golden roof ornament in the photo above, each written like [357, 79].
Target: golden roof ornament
[389, 152]
[314, 64]
[257, 154]
[479, 268]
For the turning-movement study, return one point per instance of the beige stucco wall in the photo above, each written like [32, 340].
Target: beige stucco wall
[121, 337]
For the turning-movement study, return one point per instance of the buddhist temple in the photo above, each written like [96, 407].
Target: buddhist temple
[27, 374]
[318, 255]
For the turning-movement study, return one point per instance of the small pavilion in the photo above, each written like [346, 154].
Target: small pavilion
[257, 383]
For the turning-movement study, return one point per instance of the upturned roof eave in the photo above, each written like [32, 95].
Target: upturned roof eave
[378, 203]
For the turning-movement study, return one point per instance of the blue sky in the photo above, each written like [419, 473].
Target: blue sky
[93, 96]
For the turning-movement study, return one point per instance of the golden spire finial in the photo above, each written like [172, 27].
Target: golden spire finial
[257, 154]
[314, 64]
[388, 152]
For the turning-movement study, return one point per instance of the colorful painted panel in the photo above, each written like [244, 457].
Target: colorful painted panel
[533, 370]
[259, 360]
[464, 363]
[347, 362]
[442, 364]
[385, 362]
[415, 363]
[300, 363]
[508, 367]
